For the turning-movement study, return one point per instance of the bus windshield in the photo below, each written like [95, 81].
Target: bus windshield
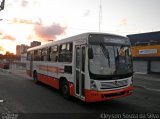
[110, 59]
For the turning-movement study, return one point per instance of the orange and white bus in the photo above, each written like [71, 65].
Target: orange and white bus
[91, 66]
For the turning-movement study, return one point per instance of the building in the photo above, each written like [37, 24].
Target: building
[146, 52]
[18, 50]
[24, 48]
[21, 49]
[35, 43]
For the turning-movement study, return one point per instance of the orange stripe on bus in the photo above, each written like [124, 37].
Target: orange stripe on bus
[43, 67]
[60, 70]
[51, 69]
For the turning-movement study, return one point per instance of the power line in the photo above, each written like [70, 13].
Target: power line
[116, 31]
[100, 16]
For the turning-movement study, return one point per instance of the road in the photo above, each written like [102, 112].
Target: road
[18, 94]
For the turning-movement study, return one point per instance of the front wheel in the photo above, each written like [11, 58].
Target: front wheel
[65, 89]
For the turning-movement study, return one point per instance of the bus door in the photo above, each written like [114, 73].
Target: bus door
[80, 71]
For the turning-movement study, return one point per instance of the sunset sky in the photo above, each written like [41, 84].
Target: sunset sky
[42, 20]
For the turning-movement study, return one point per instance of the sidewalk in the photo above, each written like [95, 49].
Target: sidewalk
[147, 81]
[151, 77]
[15, 72]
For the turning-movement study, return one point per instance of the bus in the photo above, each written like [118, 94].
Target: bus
[91, 66]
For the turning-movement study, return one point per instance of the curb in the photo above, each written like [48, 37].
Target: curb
[4, 70]
[144, 87]
[147, 77]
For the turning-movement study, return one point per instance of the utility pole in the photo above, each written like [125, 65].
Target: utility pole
[2, 2]
[100, 16]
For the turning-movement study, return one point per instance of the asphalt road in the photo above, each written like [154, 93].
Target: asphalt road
[18, 94]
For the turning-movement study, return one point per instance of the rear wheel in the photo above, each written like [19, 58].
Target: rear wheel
[35, 77]
[65, 89]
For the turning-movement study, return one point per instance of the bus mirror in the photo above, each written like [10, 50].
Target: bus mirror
[90, 53]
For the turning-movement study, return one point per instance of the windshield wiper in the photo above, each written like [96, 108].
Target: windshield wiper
[106, 53]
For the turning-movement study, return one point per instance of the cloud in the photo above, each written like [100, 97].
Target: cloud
[123, 22]
[43, 32]
[24, 3]
[8, 37]
[87, 12]
[22, 21]
[29, 3]
[1, 48]
[46, 33]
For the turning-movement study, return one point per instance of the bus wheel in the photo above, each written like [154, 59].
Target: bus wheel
[65, 89]
[35, 78]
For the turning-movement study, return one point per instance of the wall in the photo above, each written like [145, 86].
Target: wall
[146, 51]
[146, 59]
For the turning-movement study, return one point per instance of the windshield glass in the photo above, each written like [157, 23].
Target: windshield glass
[110, 59]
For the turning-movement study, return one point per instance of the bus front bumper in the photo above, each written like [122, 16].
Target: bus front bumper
[96, 96]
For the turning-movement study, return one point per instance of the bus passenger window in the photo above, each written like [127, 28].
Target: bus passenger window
[35, 55]
[44, 55]
[32, 56]
[54, 53]
[62, 49]
[39, 55]
[65, 54]
[69, 52]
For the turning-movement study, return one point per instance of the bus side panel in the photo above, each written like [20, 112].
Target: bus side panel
[52, 69]
[42, 68]
[53, 82]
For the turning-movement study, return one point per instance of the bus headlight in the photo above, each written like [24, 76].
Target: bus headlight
[93, 85]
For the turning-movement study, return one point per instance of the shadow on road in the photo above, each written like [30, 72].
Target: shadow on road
[121, 105]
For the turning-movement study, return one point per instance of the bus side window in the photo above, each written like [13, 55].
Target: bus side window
[44, 54]
[48, 53]
[35, 55]
[65, 52]
[32, 56]
[68, 53]
[53, 53]
[62, 49]
[39, 55]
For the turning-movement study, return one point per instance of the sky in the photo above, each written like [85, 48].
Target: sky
[25, 21]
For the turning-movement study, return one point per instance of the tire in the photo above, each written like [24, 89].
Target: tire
[65, 89]
[35, 78]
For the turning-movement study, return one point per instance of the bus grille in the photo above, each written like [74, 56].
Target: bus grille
[114, 84]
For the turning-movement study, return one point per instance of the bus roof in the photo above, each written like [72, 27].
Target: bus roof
[69, 39]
